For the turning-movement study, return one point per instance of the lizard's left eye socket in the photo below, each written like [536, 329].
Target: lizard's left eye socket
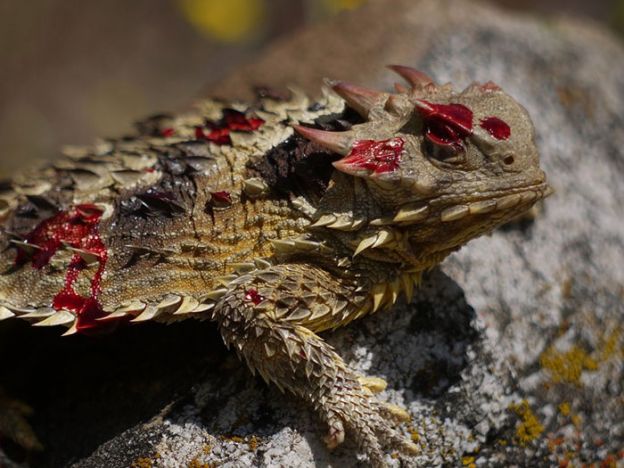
[450, 153]
[441, 134]
[446, 126]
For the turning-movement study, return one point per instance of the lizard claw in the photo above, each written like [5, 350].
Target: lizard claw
[370, 422]
[336, 434]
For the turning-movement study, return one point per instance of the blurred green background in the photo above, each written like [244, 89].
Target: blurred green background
[71, 70]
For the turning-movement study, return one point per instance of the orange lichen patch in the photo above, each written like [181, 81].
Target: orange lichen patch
[529, 428]
[567, 366]
[207, 449]
[553, 444]
[469, 461]
[564, 408]
[609, 462]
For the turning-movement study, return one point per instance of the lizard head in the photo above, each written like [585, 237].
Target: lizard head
[438, 167]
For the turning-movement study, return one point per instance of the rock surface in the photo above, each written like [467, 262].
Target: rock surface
[512, 353]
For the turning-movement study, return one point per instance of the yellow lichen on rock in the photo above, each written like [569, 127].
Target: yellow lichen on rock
[564, 408]
[567, 366]
[529, 428]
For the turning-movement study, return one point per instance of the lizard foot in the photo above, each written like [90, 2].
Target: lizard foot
[369, 421]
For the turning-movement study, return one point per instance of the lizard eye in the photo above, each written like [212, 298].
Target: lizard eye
[445, 152]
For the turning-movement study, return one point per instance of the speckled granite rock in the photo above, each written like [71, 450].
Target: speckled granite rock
[512, 353]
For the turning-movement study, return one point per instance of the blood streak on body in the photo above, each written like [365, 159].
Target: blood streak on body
[378, 156]
[77, 228]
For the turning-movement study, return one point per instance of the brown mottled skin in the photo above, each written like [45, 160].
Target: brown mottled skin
[297, 246]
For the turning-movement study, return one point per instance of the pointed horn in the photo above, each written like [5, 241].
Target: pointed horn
[339, 142]
[359, 98]
[414, 77]
[400, 88]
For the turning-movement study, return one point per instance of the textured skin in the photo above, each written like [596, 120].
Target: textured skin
[258, 231]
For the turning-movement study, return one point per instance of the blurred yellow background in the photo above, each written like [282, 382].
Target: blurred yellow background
[72, 70]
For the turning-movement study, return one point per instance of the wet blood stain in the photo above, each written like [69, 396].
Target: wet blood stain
[496, 127]
[77, 228]
[232, 121]
[446, 124]
[378, 156]
[222, 197]
[252, 295]
[167, 132]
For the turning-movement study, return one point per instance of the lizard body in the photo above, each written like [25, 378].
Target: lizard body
[277, 219]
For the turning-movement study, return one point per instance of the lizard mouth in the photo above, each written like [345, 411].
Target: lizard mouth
[450, 208]
[499, 201]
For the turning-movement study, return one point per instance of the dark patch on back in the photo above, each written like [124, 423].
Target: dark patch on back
[299, 167]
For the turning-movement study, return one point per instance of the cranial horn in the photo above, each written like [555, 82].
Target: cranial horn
[359, 98]
[338, 142]
[414, 77]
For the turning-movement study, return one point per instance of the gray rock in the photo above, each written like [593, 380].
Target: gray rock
[511, 354]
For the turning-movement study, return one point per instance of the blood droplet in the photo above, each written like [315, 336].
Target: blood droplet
[222, 197]
[252, 295]
[167, 132]
[496, 127]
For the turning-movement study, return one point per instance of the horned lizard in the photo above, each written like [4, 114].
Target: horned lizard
[278, 220]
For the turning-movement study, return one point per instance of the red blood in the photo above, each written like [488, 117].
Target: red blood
[252, 295]
[219, 132]
[377, 156]
[446, 124]
[167, 132]
[222, 197]
[496, 127]
[78, 228]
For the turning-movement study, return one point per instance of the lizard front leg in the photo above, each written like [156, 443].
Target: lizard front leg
[270, 317]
